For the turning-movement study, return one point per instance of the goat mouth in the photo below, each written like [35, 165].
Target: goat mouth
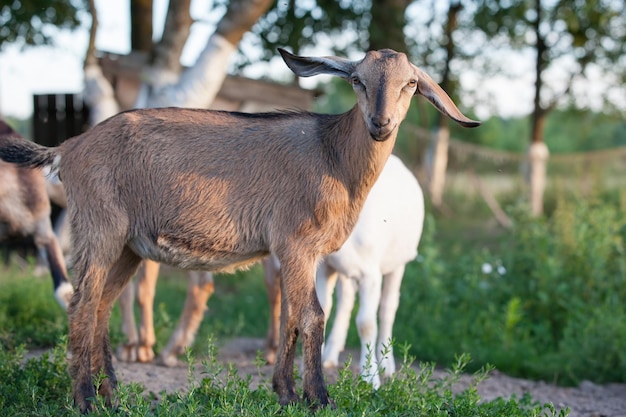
[381, 135]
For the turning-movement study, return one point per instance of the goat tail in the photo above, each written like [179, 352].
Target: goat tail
[28, 154]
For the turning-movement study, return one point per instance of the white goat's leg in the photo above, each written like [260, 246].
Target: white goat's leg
[127, 352]
[199, 291]
[325, 281]
[369, 299]
[389, 302]
[336, 340]
[146, 289]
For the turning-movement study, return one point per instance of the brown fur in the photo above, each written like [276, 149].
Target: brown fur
[211, 190]
[25, 213]
[140, 342]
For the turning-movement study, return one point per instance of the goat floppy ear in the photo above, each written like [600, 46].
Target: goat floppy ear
[428, 88]
[304, 66]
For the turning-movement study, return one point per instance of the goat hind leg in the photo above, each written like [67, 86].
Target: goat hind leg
[146, 290]
[127, 351]
[199, 291]
[118, 277]
[82, 316]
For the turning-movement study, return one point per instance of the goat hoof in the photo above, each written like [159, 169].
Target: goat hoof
[127, 353]
[270, 357]
[84, 394]
[63, 295]
[330, 364]
[169, 361]
[321, 401]
[289, 398]
[145, 354]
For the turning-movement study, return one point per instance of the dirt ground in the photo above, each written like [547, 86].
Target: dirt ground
[586, 400]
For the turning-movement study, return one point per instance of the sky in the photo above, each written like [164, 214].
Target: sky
[58, 69]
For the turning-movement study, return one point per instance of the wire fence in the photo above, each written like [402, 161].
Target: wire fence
[503, 171]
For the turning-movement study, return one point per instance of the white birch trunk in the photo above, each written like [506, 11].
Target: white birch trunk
[439, 166]
[197, 86]
[99, 95]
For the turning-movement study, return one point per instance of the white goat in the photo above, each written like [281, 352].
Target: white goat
[25, 213]
[213, 190]
[383, 241]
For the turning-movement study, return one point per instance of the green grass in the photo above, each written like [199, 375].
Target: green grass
[40, 387]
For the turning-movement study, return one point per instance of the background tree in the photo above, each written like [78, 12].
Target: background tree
[437, 49]
[342, 27]
[164, 82]
[587, 34]
[28, 23]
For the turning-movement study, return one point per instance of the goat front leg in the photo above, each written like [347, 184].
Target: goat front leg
[336, 340]
[199, 291]
[301, 314]
[389, 303]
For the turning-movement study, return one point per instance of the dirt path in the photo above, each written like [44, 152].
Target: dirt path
[587, 400]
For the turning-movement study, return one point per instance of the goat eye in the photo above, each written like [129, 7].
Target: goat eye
[412, 83]
[355, 80]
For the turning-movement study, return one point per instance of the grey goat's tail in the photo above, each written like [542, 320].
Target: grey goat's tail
[22, 152]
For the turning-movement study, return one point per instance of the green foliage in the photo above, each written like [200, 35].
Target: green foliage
[547, 303]
[29, 22]
[29, 314]
[297, 25]
[41, 387]
[36, 387]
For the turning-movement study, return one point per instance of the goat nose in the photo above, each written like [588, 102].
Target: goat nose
[380, 122]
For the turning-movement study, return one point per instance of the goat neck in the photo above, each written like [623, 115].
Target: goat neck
[355, 158]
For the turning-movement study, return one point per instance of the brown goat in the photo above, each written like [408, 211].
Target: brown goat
[202, 189]
[25, 213]
[140, 340]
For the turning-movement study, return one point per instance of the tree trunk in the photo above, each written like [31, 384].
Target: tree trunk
[538, 155]
[439, 164]
[386, 29]
[98, 92]
[199, 84]
[538, 152]
[164, 67]
[141, 24]
[442, 136]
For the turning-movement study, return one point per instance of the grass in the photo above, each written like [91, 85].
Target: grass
[40, 387]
